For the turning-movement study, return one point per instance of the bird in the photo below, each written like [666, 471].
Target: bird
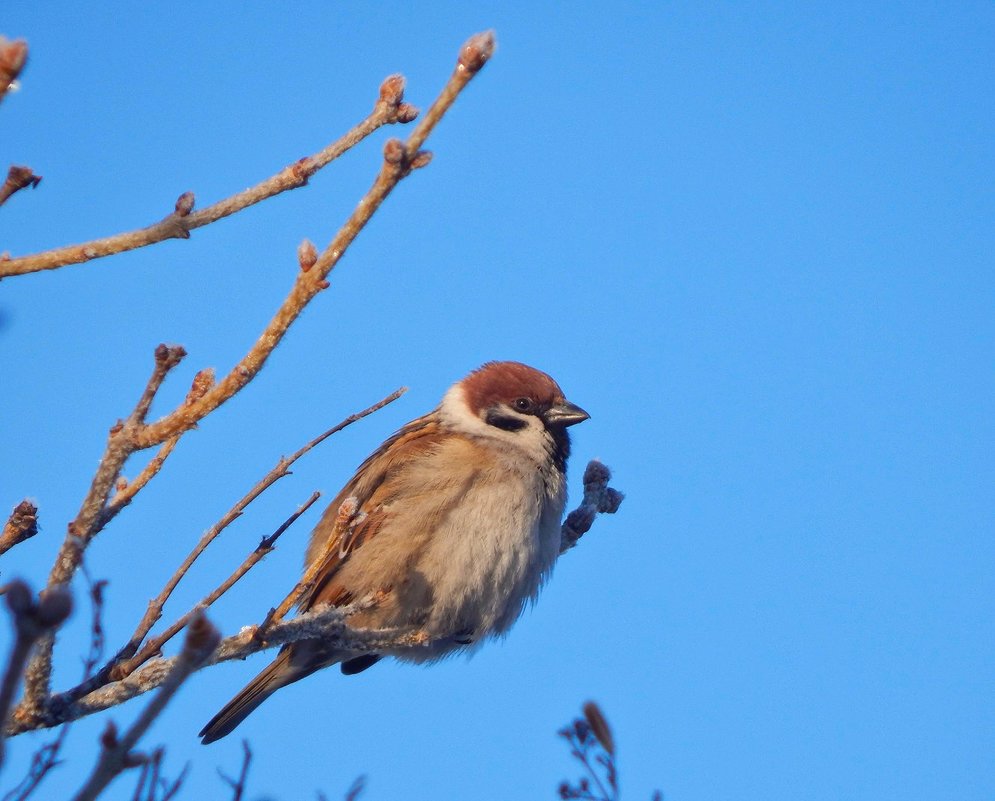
[453, 527]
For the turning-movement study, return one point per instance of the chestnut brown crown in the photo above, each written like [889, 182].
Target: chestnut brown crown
[516, 386]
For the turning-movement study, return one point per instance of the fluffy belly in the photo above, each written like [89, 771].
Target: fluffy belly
[481, 569]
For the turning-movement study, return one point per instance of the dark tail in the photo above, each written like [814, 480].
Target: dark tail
[279, 673]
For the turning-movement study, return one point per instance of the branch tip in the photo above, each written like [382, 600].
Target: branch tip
[21, 525]
[477, 51]
[392, 90]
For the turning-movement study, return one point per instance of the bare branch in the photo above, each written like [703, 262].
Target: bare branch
[32, 620]
[20, 526]
[42, 762]
[599, 498]
[238, 785]
[345, 519]
[154, 646]
[91, 518]
[13, 57]
[18, 178]
[281, 469]
[399, 160]
[154, 610]
[326, 623]
[388, 109]
[116, 754]
[126, 491]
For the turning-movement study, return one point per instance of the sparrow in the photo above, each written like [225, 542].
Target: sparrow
[453, 527]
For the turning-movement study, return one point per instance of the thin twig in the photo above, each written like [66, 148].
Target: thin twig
[388, 109]
[126, 491]
[116, 753]
[281, 469]
[13, 57]
[18, 178]
[89, 520]
[21, 525]
[345, 518]
[42, 762]
[154, 646]
[238, 785]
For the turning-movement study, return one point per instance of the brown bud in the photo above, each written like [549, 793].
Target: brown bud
[392, 89]
[201, 385]
[421, 159]
[13, 56]
[307, 254]
[393, 151]
[184, 204]
[599, 726]
[406, 112]
[477, 50]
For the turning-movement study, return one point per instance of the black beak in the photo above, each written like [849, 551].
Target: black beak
[565, 414]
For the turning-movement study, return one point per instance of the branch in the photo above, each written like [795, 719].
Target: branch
[31, 621]
[388, 109]
[91, 518]
[114, 668]
[116, 755]
[399, 160]
[20, 526]
[238, 785]
[154, 646]
[18, 178]
[328, 623]
[13, 57]
[599, 498]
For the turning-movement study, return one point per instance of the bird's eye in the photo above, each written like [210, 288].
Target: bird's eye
[523, 404]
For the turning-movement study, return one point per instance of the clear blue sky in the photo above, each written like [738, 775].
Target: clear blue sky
[754, 242]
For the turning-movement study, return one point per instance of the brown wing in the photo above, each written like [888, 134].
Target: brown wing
[335, 537]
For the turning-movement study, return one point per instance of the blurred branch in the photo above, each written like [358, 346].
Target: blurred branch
[238, 785]
[21, 525]
[32, 620]
[18, 178]
[592, 745]
[116, 753]
[388, 109]
[599, 498]
[13, 57]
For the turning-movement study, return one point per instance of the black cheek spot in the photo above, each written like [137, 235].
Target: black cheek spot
[505, 422]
